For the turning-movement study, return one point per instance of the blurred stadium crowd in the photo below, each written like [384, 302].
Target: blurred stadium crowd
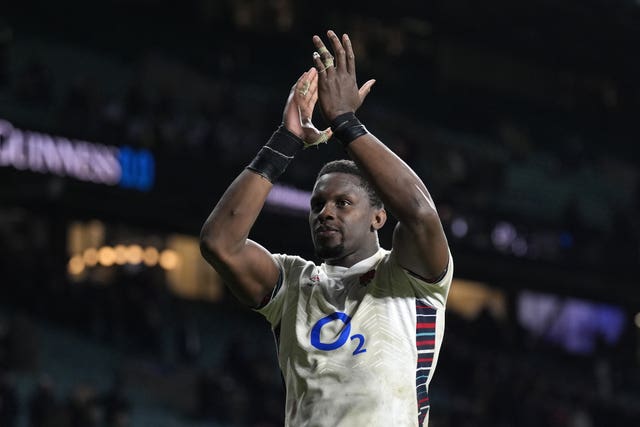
[531, 168]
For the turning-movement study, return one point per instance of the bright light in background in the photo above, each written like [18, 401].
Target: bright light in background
[188, 274]
[76, 265]
[95, 231]
[289, 198]
[637, 320]
[459, 227]
[579, 326]
[134, 254]
[95, 252]
[75, 237]
[169, 259]
[121, 254]
[106, 256]
[90, 257]
[503, 235]
[150, 256]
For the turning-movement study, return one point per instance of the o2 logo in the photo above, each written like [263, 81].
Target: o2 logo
[342, 339]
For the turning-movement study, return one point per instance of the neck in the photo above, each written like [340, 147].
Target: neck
[355, 257]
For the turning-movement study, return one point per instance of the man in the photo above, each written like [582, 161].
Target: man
[358, 336]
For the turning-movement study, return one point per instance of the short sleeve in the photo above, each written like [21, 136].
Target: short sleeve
[434, 293]
[272, 307]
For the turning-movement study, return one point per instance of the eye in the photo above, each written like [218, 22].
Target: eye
[316, 205]
[343, 203]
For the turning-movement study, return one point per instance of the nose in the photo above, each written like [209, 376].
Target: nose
[327, 212]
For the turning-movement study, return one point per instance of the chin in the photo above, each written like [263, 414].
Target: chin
[330, 252]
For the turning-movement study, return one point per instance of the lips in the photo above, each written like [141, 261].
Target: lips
[326, 231]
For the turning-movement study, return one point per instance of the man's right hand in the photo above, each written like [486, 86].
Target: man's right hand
[298, 111]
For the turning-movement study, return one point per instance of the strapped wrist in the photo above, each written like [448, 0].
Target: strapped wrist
[346, 127]
[272, 159]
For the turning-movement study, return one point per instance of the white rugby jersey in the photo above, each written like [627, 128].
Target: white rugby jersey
[357, 346]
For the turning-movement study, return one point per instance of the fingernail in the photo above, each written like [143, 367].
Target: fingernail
[316, 55]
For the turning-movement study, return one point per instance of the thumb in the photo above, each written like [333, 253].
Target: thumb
[365, 89]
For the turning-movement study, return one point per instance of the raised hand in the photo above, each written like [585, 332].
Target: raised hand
[337, 84]
[298, 111]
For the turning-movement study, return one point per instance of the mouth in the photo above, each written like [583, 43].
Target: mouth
[326, 231]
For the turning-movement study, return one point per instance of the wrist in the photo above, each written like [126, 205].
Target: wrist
[288, 131]
[274, 157]
[335, 114]
[346, 128]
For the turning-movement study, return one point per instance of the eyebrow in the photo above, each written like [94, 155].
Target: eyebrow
[343, 195]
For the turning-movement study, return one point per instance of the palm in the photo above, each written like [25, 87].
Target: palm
[298, 112]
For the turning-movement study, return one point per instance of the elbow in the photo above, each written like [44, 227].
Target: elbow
[217, 246]
[422, 212]
[429, 220]
[419, 208]
[211, 246]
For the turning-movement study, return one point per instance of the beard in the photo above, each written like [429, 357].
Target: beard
[329, 252]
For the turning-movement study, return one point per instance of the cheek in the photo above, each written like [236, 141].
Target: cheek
[357, 229]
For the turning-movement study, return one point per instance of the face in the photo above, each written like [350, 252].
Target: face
[343, 222]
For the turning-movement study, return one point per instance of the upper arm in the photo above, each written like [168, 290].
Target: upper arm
[247, 268]
[251, 273]
[422, 247]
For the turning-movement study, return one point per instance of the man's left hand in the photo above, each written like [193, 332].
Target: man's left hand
[337, 85]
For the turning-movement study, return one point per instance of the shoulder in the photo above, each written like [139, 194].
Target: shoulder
[289, 261]
[392, 261]
[293, 267]
[398, 279]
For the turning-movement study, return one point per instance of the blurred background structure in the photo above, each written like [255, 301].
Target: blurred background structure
[122, 122]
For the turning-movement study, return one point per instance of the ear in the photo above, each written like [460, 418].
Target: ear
[378, 220]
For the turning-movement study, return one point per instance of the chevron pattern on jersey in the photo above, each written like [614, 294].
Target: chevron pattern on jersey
[425, 343]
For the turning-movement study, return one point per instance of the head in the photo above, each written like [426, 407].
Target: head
[346, 214]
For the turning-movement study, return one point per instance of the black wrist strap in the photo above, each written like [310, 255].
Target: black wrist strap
[346, 127]
[272, 159]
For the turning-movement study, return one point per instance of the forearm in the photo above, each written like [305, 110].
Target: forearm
[228, 226]
[419, 240]
[402, 191]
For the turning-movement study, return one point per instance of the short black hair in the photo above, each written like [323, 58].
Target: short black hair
[350, 167]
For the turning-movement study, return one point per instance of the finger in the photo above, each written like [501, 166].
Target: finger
[320, 68]
[365, 89]
[295, 85]
[309, 101]
[313, 83]
[350, 57]
[325, 56]
[302, 86]
[338, 51]
[313, 98]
